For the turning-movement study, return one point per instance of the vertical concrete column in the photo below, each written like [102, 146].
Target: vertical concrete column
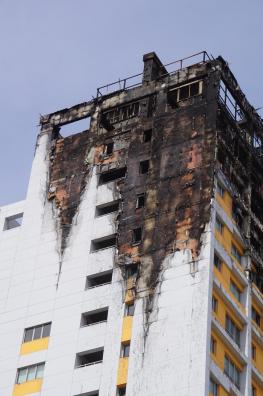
[246, 381]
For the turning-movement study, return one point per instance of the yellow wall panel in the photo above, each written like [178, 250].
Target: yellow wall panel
[126, 329]
[122, 371]
[34, 346]
[225, 203]
[27, 387]
[219, 355]
[222, 310]
[258, 362]
[259, 389]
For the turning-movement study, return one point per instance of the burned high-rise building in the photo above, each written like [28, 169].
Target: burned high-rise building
[135, 264]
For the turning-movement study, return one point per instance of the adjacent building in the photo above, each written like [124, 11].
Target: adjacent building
[135, 264]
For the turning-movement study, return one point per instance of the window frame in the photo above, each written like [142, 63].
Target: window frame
[27, 368]
[42, 326]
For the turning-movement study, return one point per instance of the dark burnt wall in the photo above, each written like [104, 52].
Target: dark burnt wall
[178, 186]
[68, 176]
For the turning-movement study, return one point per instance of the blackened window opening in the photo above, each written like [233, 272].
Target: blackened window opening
[140, 201]
[112, 175]
[137, 235]
[99, 279]
[144, 166]
[109, 207]
[147, 135]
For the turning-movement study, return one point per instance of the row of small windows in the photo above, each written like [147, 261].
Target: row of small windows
[113, 206]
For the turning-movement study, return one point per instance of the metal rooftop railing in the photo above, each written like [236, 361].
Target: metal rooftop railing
[136, 79]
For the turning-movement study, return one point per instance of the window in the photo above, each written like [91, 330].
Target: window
[121, 391]
[13, 221]
[235, 290]
[144, 167]
[232, 330]
[219, 225]
[87, 358]
[184, 92]
[213, 345]
[214, 304]
[125, 350]
[109, 207]
[30, 373]
[34, 333]
[213, 387]
[231, 370]
[254, 352]
[100, 279]
[131, 269]
[108, 149]
[103, 243]
[121, 113]
[256, 317]
[93, 317]
[129, 309]
[140, 201]
[112, 175]
[254, 391]
[217, 262]
[137, 236]
[220, 190]
[147, 135]
[235, 253]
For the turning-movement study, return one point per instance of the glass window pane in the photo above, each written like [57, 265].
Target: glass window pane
[46, 330]
[22, 374]
[31, 373]
[37, 333]
[28, 334]
[40, 370]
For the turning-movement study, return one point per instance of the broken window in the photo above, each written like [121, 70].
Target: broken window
[121, 391]
[93, 317]
[87, 358]
[108, 149]
[129, 309]
[109, 207]
[75, 127]
[184, 92]
[103, 243]
[13, 221]
[125, 350]
[230, 103]
[131, 269]
[147, 135]
[137, 235]
[144, 167]
[121, 113]
[140, 201]
[100, 279]
[112, 175]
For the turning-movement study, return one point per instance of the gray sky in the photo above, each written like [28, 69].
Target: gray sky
[55, 53]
